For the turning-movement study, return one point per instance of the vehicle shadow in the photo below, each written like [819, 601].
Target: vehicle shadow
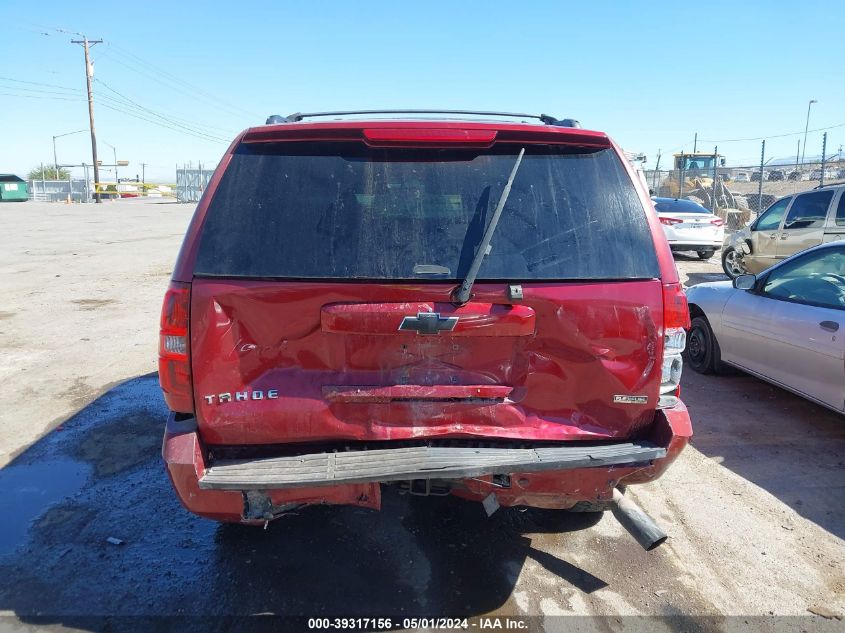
[781, 442]
[687, 256]
[99, 476]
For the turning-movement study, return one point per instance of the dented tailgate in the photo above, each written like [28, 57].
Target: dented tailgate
[278, 361]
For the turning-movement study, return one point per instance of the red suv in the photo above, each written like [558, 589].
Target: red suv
[482, 307]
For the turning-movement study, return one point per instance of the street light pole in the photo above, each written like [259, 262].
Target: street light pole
[114, 153]
[55, 160]
[806, 127]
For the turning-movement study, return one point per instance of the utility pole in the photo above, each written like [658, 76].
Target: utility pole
[143, 173]
[89, 71]
[806, 127]
[681, 179]
[656, 172]
[760, 188]
[824, 153]
[715, 174]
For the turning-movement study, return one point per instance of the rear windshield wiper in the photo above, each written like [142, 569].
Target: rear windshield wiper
[464, 291]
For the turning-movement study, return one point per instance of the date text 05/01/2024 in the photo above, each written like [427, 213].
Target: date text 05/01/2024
[482, 623]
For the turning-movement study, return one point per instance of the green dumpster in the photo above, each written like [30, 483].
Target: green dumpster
[12, 188]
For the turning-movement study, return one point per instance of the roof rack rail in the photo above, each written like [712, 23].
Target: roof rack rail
[299, 116]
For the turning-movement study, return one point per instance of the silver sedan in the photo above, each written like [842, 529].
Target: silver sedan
[786, 326]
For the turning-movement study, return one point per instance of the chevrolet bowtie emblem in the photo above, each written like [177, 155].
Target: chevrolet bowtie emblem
[428, 323]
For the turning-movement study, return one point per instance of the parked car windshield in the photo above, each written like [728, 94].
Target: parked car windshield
[815, 279]
[770, 220]
[343, 210]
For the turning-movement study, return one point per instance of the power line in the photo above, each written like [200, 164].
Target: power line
[170, 118]
[40, 91]
[162, 124]
[162, 77]
[113, 104]
[39, 83]
[131, 103]
[176, 85]
[67, 93]
[762, 138]
[69, 32]
[179, 81]
[158, 81]
[19, 96]
[675, 149]
[119, 105]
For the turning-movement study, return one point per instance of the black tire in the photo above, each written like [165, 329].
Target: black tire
[590, 506]
[702, 351]
[732, 263]
[706, 254]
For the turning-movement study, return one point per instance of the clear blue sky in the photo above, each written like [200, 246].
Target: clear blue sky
[650, 74]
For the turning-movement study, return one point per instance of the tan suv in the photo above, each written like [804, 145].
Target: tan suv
[789, 225]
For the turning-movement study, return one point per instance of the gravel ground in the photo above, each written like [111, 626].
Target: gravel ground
[778, 188]
[754, 507]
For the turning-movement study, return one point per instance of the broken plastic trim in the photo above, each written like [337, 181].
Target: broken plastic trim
[259, 507]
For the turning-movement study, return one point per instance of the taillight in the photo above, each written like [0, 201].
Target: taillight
[670, 221]
[400, 137]
[174, 365]
[717, 222]
[676, 321]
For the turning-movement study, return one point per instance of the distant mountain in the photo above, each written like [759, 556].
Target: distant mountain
[791, 160]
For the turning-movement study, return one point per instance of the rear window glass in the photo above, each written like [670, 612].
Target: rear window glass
[346, 211]
[678, 206]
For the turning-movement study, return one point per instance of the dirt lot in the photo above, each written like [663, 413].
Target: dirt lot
[754, 507]
[778, 188]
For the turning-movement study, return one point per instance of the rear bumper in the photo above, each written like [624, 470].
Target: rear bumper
[417, 462]
[680, 245]
[551, 477]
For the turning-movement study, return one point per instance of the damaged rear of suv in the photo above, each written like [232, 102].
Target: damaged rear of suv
[484, 308]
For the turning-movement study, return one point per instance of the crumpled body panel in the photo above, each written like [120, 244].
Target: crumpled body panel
[270, 359]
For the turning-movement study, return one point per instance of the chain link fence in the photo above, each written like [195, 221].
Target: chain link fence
[191, 183]
[76, 190]
[738, 194]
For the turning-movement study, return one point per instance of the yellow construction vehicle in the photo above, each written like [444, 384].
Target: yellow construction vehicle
[694, 169]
